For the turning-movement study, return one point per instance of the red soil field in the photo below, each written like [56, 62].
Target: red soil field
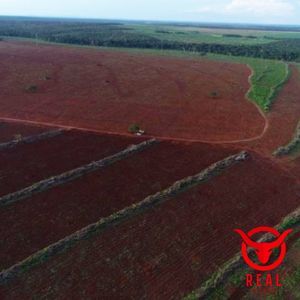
[292, 165]
[49, 216]
[8, 131]
[24, 165]
[107, 91]
[283, 117]
[168, 251]
[295, 166]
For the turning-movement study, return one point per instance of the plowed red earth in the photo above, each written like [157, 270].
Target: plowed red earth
[24, 165]
[47, 217]
[107, 91]
[168, 251]
[294, 166]
[9, 131]
[283, 117]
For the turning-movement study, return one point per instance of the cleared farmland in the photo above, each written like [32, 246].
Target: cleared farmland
[164, 95]
[168, 251]
[70, 207]
[25, 164]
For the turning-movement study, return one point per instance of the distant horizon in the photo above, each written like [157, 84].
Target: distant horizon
[149, 20]
[257, 12]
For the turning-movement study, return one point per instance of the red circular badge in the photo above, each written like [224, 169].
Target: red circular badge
[263, 250]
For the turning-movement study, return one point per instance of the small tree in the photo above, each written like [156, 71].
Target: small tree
[214, 94]
[31, 88]
[18, 137]
[134, 128]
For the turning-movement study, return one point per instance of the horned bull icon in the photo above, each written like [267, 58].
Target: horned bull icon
[263, 250]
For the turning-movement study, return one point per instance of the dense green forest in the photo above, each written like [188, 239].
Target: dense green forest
[115, 34]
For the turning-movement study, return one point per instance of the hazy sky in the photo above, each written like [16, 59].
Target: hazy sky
[242, 11]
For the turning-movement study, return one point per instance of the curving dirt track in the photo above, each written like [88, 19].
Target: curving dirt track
[107, 91]
[283, 117]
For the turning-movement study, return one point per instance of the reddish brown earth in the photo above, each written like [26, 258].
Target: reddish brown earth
[49, 216]
[166, 252]
[109, 90]
[283, 117]
[8, 131]
[24, 165]
[169, 251]
[294, 166]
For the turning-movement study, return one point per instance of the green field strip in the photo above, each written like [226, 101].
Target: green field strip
[196, 35]
[31, 139]
[233, 269]
[127, 213]
[267, 79]
[71, 175]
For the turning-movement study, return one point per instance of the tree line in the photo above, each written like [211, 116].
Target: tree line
[118, 35]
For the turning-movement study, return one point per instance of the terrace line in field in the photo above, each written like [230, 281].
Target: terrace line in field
[67, 208]
[31, 139]
[292, 146]
[55, 156]
[122, 215]
[73, 174]
[166, 252]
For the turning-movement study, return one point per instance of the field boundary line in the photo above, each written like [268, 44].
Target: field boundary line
[71, 175]
[220, 277]
[116, 218]
[162, 138]
[31, 139]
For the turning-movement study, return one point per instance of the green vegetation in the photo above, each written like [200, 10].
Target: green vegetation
[31, 88]
[267, 79]
[134, 128]
[158, 36]
[195, 35]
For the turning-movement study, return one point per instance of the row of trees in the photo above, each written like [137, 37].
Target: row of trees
[117, 35]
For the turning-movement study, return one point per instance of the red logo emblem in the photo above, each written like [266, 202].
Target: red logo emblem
[263, 250]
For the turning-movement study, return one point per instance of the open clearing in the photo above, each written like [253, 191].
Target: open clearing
[108, 91]
[49, 216]
[167, 251]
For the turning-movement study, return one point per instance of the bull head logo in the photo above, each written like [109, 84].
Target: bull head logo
[263, 250]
